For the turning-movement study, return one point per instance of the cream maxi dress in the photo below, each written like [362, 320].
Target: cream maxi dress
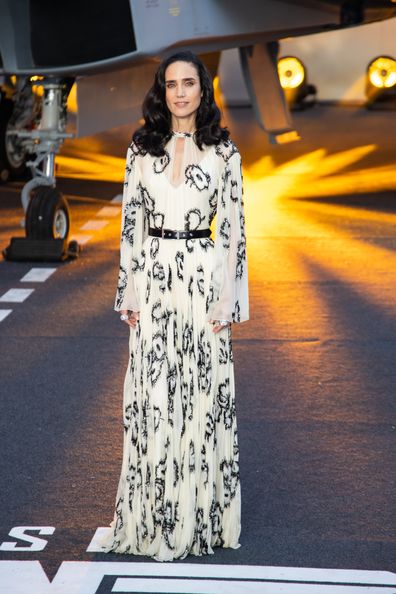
[179, 489]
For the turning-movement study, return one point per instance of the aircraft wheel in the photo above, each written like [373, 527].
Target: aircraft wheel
[48, 215]
[12, 155]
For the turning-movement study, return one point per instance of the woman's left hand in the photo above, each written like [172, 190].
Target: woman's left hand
[217, 327]
[132, 318]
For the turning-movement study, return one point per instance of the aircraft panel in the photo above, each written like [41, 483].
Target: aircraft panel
[169, 23]
[79, 32]
[123, 90]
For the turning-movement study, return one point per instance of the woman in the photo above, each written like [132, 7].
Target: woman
[179, 291]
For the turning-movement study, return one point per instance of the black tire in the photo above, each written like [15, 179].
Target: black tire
[11, 166]
[48, 215]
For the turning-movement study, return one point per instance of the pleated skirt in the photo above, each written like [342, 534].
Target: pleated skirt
[179, 487]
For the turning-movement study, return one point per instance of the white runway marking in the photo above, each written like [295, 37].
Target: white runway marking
[16, 295]
[85, 577]
[204, 586]
[4, 313]
[82, 239]
[108, 211]
[254, 572]
[117, 199]
[37, 275]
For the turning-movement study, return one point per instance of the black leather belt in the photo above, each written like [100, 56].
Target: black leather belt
[170, 234]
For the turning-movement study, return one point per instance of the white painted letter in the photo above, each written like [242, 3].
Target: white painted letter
[37, 544]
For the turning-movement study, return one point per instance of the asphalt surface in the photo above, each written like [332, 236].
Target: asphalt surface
[315, 364]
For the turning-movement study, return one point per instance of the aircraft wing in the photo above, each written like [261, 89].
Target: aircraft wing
[113, 48]
[43, 37]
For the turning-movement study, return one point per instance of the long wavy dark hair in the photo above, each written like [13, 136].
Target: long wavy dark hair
[153, 135]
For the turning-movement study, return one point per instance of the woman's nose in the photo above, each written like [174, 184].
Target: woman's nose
[180, 91]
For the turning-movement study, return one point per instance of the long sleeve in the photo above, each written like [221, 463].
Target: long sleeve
[133, 233]
[228, 297]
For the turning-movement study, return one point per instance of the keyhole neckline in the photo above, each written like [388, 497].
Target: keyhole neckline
[182, 134]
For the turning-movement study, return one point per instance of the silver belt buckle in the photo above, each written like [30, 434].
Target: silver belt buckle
[162, 232]
[177, 234]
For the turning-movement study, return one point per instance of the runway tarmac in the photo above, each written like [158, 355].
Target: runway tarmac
[315, 374]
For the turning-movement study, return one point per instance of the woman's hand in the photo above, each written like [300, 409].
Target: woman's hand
[133, 317]
[217, 327]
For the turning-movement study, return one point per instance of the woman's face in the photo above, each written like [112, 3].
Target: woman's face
[183, 90]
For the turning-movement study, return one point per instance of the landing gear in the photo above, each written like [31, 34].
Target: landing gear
[47, 218]
[12, 153]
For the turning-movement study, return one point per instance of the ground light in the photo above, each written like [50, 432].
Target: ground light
[381, 83]
[293, 78]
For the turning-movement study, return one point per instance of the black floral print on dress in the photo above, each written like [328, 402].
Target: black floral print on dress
[226, 149]
[129, 223]
[160, 163]
[122, 283]
[195, 176]
[194, 219]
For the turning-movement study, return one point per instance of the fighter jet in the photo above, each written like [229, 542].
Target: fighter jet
[110, 51]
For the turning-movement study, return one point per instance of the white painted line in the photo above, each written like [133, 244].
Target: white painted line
[282, 578]
[4, 313]
[16, 295]
[108, 211]
[100, 533]
[83, 577]
[204, 586]
[117, 199]
[21, 577]
[93, 225]
[252, 572]
[37, 275]
[82, 239]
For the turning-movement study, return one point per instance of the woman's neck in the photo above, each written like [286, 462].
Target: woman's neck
[183, 125]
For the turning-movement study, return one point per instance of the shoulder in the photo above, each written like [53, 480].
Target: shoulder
[226, 149]
[133, 157]
[135, 150]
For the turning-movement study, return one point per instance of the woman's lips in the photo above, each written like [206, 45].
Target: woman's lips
[181, 103]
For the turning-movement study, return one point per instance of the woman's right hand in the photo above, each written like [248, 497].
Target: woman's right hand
[133, 317]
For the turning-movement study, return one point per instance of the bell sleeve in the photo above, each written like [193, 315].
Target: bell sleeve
[133, 233]
[228, 297]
